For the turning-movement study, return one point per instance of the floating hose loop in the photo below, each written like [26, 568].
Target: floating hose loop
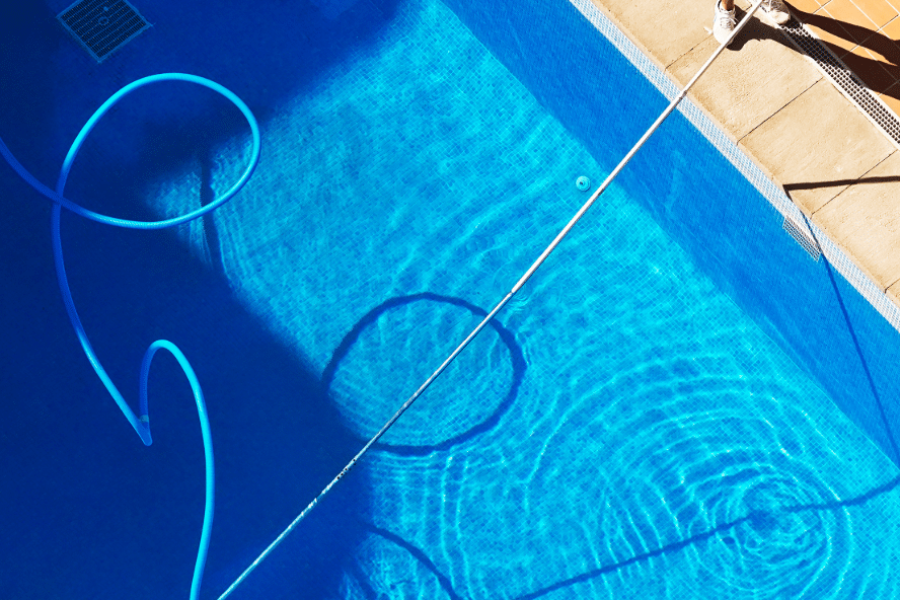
[58, 197]
[141, 424]
[209, 508]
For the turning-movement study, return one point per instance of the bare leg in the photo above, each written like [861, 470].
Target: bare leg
[727, 4]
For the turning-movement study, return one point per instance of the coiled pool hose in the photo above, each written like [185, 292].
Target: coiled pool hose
[141, 424]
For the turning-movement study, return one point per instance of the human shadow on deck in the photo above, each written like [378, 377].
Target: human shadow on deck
[877, 75]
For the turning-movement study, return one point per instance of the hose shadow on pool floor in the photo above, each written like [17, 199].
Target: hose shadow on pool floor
[450, 435]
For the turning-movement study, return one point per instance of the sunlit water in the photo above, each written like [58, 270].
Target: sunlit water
[625, 431]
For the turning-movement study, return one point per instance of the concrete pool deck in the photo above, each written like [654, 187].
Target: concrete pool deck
[775, 103]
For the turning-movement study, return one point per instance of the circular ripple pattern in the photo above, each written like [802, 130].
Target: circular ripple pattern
[748, 513]
[694, 492]
[396, 346]
[771, 537]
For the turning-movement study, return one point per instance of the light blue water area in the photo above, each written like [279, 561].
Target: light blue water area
[623, 432]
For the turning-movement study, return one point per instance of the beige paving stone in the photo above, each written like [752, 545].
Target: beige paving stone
[809, 6]
[816, 140]
[865, 221]
[663, 29]
[880, 12]
[758, 75]
[802, 131]
[892, 293]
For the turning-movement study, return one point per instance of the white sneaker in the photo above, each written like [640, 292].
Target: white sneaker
[725, 22]
[776, 11]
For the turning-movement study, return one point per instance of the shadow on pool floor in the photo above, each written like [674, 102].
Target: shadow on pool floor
[82, 492]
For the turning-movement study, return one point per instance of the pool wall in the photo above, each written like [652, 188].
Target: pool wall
[832, 320]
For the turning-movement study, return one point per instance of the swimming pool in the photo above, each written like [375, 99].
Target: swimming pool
[625, 430]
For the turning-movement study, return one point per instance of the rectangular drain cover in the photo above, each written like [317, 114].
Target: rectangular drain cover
[102, 25]
[799, 234]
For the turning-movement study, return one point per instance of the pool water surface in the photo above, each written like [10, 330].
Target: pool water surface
[623, 430]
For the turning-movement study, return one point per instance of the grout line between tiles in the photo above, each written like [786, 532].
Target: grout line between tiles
[864, 13]
[791, 101]
[858, 181]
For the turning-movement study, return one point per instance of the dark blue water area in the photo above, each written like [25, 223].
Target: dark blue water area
[264, 55]
[107, 517]
[88, 511]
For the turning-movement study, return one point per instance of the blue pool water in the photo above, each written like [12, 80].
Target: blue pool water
[623, 430]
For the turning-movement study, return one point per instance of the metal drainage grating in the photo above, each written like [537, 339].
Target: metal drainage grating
[843, 78]
[102, 26]
[798, 232]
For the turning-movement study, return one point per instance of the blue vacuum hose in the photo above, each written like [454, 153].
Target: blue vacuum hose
[142, 424]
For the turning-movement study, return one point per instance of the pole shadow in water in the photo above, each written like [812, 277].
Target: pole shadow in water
[756, 518]
[873, 388]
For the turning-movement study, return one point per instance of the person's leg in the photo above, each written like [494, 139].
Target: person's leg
[724, 21]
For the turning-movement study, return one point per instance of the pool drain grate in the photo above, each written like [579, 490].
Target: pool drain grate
[798, 232]
[843, 78]
[102, 26]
